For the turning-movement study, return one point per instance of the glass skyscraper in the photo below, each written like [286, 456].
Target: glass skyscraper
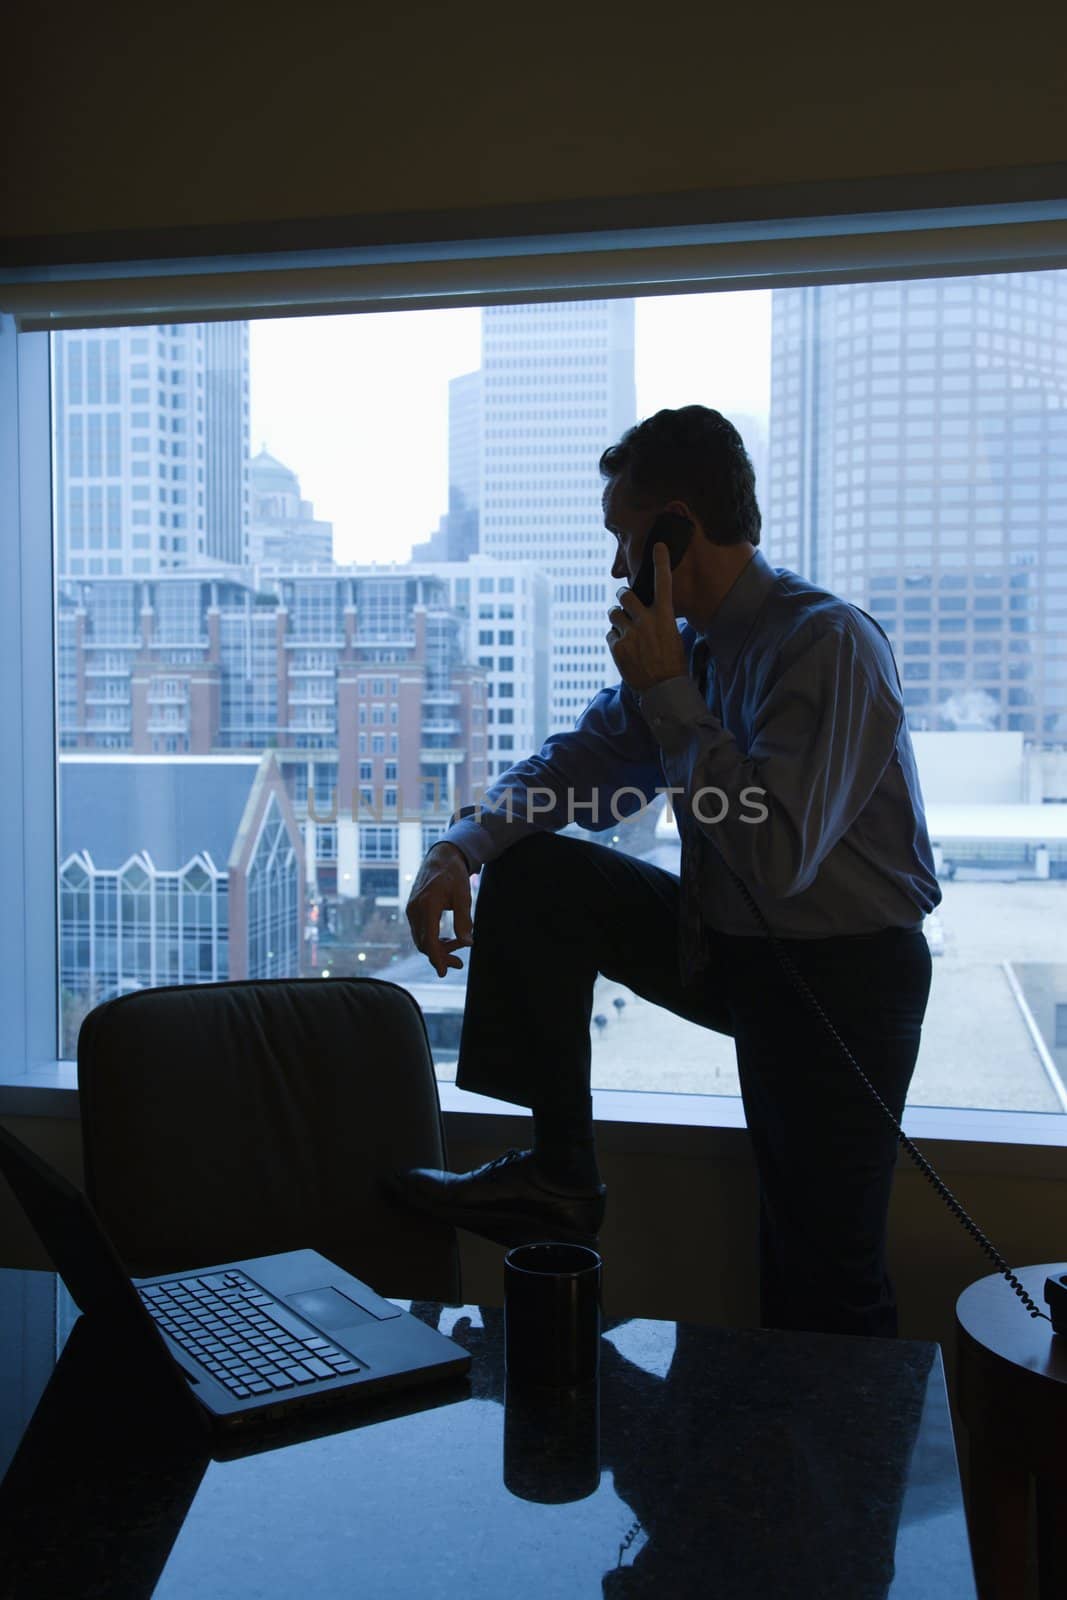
[918, 467]
[151, 448]
[558, 388]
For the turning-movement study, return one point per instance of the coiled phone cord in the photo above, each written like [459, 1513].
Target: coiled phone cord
[920, 1160]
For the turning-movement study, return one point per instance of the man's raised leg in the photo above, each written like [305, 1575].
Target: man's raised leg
[552, 912]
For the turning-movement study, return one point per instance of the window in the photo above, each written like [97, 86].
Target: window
[538, 481]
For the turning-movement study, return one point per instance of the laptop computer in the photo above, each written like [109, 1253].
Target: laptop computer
[266, 1338]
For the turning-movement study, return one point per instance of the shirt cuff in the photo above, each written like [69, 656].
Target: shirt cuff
[672, 710]
[470, 839]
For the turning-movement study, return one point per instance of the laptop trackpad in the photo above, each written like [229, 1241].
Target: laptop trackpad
[329, 1308]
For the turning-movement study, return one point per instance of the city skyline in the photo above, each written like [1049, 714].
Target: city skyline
[310, 409]
[912, 441]
[905, 431]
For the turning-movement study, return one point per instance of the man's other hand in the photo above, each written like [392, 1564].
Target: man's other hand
[442, 884]
[644, 640]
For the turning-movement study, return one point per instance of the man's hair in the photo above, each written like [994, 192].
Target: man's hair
[694, 455]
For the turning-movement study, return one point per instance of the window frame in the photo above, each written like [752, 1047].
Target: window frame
[29, 947]
[972, 237]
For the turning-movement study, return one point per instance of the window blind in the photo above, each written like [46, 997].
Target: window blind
[417, 276]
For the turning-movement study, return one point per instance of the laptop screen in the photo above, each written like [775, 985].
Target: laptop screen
[70, 1231]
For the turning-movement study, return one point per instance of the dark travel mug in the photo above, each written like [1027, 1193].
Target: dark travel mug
[551, 1315]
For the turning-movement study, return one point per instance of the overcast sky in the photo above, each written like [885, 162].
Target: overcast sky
[357, 406]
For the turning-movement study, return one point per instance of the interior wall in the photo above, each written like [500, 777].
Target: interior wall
[132, 116]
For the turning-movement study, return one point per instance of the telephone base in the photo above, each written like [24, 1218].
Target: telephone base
[1056, 1300]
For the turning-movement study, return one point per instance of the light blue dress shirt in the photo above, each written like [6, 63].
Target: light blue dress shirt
[798, 767]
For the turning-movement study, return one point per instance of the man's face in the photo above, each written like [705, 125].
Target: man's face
[631, 528]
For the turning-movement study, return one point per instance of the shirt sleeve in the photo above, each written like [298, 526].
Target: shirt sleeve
[607, 767]
[822, 736]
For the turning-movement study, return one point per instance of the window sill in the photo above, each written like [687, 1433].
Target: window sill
[1020, 1143]
[49, 1090]
[1028, 1143]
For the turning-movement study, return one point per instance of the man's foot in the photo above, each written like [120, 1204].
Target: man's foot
[508, 1200]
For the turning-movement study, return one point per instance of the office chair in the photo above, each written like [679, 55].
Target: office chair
[228, 1120]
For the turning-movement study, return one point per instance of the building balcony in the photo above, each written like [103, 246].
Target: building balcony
[442, 697]
[158, 698]
[298, 671]
[454, 754]
[94, 697]
[442, 726]
[162, 725]
[94, 669]
[301, 697]
[107, 727]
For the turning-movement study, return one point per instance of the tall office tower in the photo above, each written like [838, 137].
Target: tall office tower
[464, 464]
[456, 536]
[226, 443]
[558, 388]
[918, 466]
[137, 419]
[283, 529]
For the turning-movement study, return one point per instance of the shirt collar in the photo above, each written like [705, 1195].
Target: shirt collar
[732, 622]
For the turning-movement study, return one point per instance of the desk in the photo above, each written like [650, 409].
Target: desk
[712, 1463]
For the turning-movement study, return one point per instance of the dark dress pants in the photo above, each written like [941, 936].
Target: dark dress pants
[554, 911]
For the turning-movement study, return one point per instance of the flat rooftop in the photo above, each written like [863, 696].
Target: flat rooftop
[976, 1050]
[1030, 824]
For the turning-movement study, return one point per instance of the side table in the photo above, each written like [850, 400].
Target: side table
[1011, 1390]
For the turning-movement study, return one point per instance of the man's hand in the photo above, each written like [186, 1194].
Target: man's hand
[644, 640]
[442, 883]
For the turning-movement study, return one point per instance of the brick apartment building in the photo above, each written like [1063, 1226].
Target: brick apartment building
[359, 684]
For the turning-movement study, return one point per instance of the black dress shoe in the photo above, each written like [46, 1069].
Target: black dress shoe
[507, 1200]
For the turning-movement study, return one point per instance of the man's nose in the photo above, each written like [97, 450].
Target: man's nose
[618, 567]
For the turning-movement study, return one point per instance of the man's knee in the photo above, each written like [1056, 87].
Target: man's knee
[542, 873]
[534, 861]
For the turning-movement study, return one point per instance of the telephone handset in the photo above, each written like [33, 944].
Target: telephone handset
[673, 531]
[1055, 1291]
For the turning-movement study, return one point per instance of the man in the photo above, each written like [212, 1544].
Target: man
[774, 716]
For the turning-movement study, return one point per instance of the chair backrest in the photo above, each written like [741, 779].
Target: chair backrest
[228, 1120]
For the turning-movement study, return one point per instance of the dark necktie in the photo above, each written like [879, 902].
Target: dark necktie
[693, 957]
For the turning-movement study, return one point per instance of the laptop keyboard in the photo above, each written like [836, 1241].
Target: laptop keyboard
[243, 1336]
